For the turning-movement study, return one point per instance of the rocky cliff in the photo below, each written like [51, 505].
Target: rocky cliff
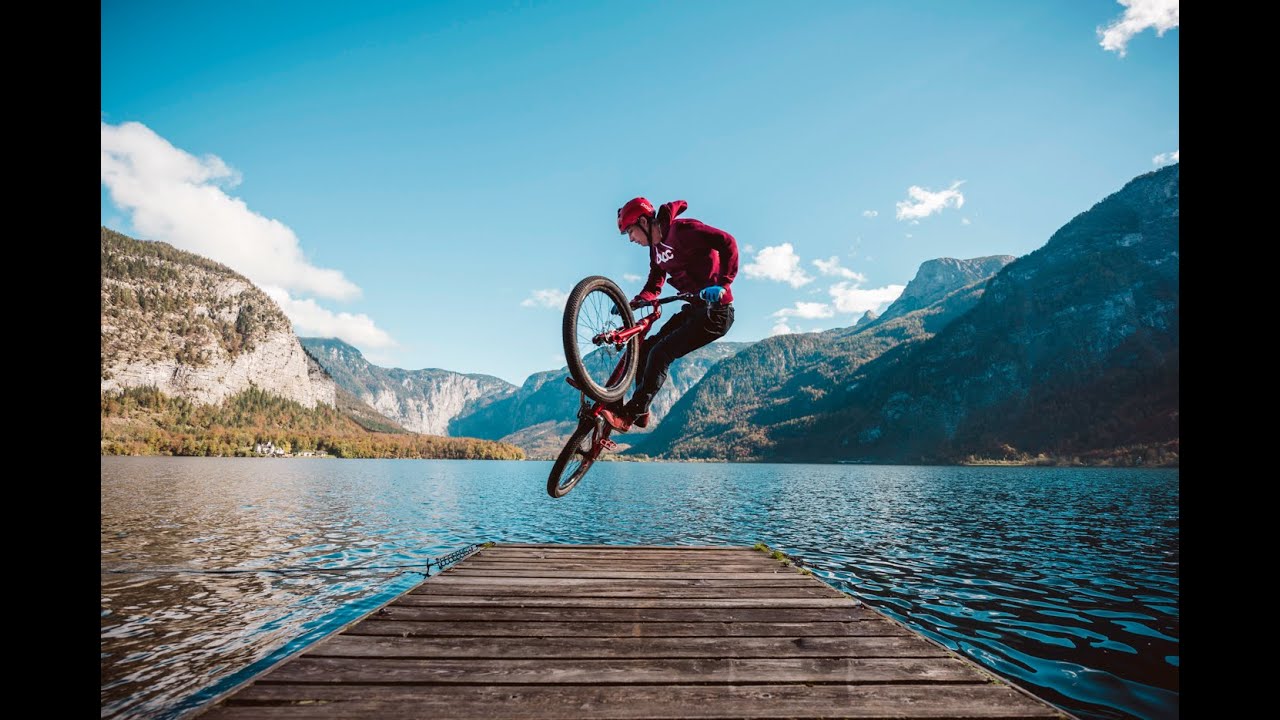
[195, 329]
[425, 401]
[935, 279]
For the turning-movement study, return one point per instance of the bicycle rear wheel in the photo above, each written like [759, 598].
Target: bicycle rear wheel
[575, 459]
[603, 372]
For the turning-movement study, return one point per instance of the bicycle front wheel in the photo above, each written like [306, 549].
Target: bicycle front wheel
[575, 460]
[602, 371]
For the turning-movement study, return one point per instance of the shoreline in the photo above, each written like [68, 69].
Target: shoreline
[970, 463]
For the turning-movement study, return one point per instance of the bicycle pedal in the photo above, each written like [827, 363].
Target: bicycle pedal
[608, 444]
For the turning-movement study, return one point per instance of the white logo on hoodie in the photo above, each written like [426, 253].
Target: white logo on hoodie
[664, 255]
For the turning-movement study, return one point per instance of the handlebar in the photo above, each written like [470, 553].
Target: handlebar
[687, 297]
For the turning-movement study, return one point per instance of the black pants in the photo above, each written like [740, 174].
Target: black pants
[693, 327]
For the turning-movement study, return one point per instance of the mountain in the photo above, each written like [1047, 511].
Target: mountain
[424, 401]
[195, 329]
[196, 360]
[1071, 352]
[938, 278]
[736, 410]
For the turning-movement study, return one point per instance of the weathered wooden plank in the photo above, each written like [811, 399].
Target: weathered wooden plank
[576, 592]
[776, 603]
[357, 646]
[375, 626]
[627, 571]
[488, 585]
[618, 671]
[754, 559]
[748, 561]
[698, 569]
[617, 570]
[758, 561]
[637, 702]
[613, 553]
[639, 580]
[611, 613]
[708, 556]
[627, 547]
[561, 546]
[668, 558]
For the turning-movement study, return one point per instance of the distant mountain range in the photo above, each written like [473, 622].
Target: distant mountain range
[1069, 353]
[424, 401]
[538, 416]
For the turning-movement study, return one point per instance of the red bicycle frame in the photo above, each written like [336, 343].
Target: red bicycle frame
[618, 338]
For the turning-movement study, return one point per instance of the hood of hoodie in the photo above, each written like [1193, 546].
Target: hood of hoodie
[668, 212]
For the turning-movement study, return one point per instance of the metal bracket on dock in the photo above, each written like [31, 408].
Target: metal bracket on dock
[453, 557]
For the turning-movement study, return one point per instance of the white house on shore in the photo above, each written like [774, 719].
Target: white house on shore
[268, 448]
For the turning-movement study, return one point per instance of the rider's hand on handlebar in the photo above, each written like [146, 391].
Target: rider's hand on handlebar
[712, 294]
[635, 304]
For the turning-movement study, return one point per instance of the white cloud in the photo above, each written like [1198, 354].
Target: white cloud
[780, 329]
[831, 266]
[806, 310]
[554, 299]
[309, 319]
[923, 203]
[965, 221]
[1165, 158]
[849, 298]
[632, 277]
[780, 263]
[1138, 16]
[869, 213]
[178, 198]
[748, 248]
[181, 199]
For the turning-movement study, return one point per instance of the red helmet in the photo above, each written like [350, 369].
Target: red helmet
[628, 214]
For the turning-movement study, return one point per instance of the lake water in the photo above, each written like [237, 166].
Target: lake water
[1063, 580]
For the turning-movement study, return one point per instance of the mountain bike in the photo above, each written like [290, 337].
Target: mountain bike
[602, 341]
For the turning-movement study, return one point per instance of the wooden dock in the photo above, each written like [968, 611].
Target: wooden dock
[599, 631]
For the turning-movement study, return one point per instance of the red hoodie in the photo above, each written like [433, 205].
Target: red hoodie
[693, 253]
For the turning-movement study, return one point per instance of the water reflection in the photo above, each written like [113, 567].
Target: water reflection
[1064, 580]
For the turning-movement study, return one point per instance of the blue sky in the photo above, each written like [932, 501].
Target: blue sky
[427, 180]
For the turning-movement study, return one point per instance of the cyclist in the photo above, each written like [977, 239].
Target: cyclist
[697, 257]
